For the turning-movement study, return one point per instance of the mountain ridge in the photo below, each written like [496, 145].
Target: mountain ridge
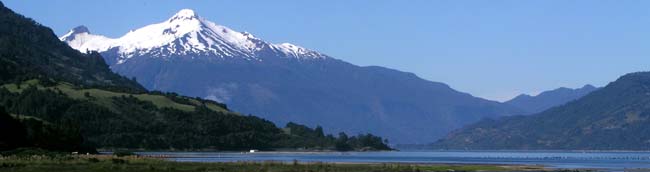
[548, 99]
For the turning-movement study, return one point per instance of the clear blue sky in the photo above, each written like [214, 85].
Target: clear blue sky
[492, 49]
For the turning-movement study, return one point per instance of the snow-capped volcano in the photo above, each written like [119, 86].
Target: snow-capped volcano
[184, 34]
[284, 83]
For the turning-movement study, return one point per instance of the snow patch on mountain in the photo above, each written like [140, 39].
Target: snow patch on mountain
[184, 34]
[81, 39]
[291, 50]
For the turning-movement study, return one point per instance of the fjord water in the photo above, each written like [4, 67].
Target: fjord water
[552, 159]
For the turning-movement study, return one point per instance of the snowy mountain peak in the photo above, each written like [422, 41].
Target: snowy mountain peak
[75, 31]
[184, 14]
[185, 35]
[81, 39]
[80, 29]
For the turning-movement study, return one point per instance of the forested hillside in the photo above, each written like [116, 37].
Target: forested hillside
[30, 50]
[615, 117]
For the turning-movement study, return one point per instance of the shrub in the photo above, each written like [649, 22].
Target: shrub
[123, 153]
[118, 161]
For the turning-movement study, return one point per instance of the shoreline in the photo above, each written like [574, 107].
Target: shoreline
[372, 151]
[237, 151]
[285, 157]
[92, 163]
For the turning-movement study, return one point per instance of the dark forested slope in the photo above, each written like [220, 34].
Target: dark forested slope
[30, 50]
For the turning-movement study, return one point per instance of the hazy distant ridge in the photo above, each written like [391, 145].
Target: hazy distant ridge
[547, 99]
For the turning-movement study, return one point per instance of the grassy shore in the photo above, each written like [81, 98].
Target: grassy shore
[105, 163]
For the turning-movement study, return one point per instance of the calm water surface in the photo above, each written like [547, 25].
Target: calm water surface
[554, 159]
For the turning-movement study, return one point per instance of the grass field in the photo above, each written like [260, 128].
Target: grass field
[103, 97]
[105, 163]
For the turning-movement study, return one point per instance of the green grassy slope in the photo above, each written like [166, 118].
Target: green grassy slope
[104, 97]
